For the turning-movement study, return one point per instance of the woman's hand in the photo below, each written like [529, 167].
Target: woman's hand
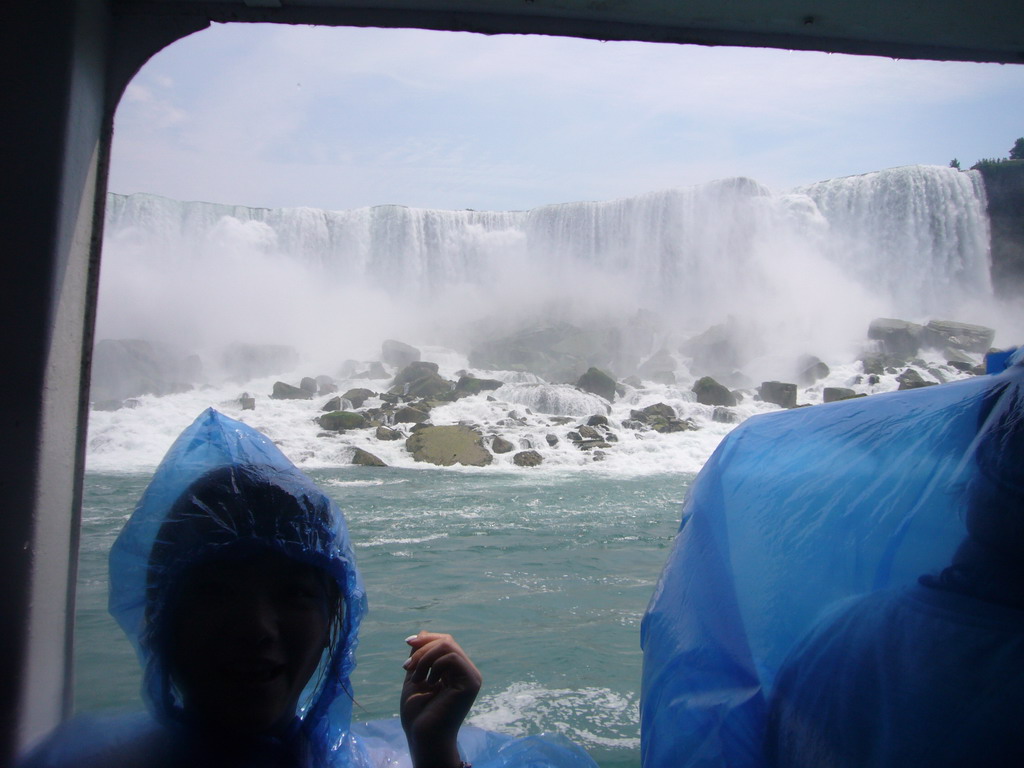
[440, 686]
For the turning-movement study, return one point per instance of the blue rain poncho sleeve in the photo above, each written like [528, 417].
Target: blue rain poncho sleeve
[794, 513]
[224, 489]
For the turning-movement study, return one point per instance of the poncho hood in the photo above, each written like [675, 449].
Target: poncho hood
[172, 529]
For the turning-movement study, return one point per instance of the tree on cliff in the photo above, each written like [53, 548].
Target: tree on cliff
[1017, 152]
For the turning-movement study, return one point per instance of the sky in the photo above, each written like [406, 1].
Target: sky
[338, 118]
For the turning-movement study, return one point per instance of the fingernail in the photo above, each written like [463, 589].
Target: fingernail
[408, 663]
[410, 638]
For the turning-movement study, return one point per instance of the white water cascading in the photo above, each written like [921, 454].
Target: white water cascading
[800, 272]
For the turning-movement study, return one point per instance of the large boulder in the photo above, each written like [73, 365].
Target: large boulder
[810, 369]
[941, 334]
[398, 354]
[326, 385]
[717, 350]
[366, 459]
[243, 362]
[710, 392]
[283, 391]
[337, 421]
[126, 368]
[898, 339]
[835, 394]
[656, 411]
[308, 384]
[659, 367]
[501, 445]
[597, 382]
[385, 433]
[470, 385]
[376, 371]
[911, 379]
[358, 396]
[527, 459]
[448, 445]
[778, 392]
[247, 402]
[409, 415]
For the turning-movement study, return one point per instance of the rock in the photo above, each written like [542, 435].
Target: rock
[334, 404]
[633, 381]
[597, 382]
[127, 368]
[778, 392]
[308, 384]
[420, 379]
[659, 367]
[911, 379]
[658, 410]
[247, 402]
[810, 370]
[876, 365]
[339, 420]
[597, 420]
[325, 385]
[284, 391]
[376, 372]
[384, 433]
[398, 353]
[898, 338]
[634, 424]
[835, 394]
[573, 436]
[957, 358]
[551, 439]
[527, 459]
[666, 426]
[366, 459]
[587, 445]
[589, 433]
[501, 445]
[244, 362]
[359, 396]
[724, 415]
[410, 415]
[716, 350]
[348, 368]
[948, 333]
[448, 445]
[470, 385]
[710, 392]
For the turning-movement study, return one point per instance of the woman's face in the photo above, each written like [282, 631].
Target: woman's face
[246, 635]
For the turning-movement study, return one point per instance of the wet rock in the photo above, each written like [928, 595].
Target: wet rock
[358, 396]
[283, 391]
[308, 385]
[325, 385]
[376, 371]
[339, 420]
[911, 379]
[597, 382]
[587, 445]
[724, 415]
[811, 369]
[420, 379]
[501, 445]
[898, 339]
[574, 436]
[948, 333]
[835, 394]
[597, 420]
[658, 410]
[247, 402]
[398, 354]
[527, 459]
[551, 439]
[778, 392]
[634, 424]
[666, 426]
[126, 368]
[716, 350]
[448, 445]
[366, 459]
[470, 385]
[710, 392]
[589, 433]
[409, 415]
[385, 433]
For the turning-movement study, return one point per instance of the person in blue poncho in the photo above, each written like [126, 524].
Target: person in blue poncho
[236, 582]
[930, 675]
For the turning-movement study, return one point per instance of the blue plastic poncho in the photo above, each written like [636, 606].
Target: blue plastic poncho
[175, 527]
[794, 513]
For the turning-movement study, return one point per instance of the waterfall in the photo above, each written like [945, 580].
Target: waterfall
[798, 268]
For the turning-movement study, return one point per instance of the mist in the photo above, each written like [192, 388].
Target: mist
[790, 274]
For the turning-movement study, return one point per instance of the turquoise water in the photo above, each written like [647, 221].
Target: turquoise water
[543, 579]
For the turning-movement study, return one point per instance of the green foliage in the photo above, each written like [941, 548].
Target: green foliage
[954, 163]
[1017, 151]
